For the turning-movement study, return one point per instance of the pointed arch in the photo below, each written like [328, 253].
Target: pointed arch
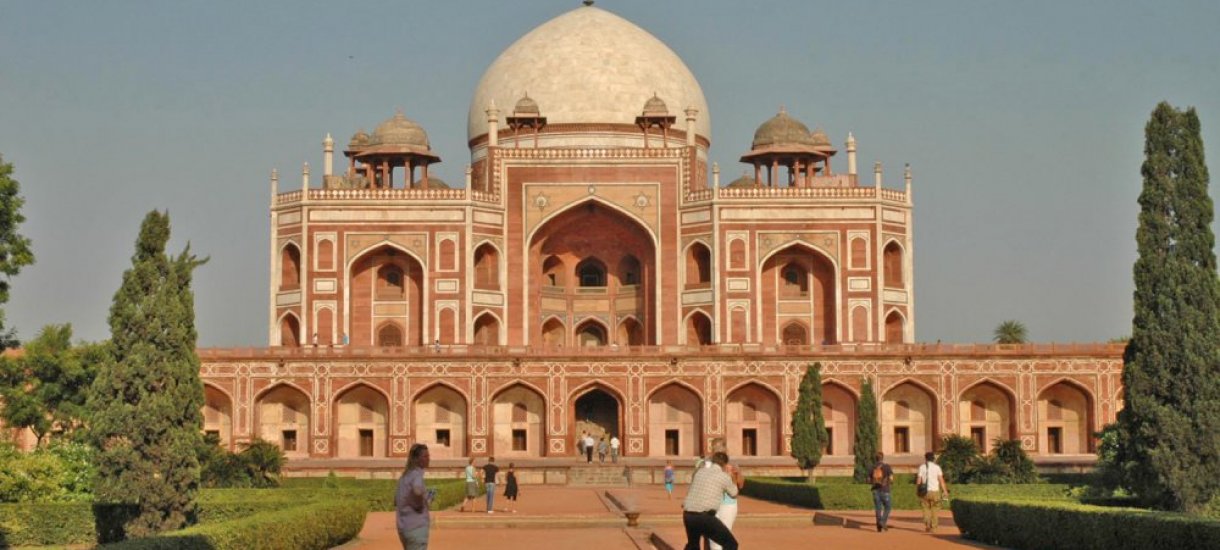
[630, 332]
[439, 412]
[591, 272]
[806, 279]
[893, 257]
[518, 411]
[795, 333]
[675, 420]
[361, 286]
[698, 328]
[486, 262]
[290, 266]
[218, 414]
[698, 264]
[1070, 432]
[487, 329]
[839, 412]
[554, 332]
[283, 415]
[591, 332]
[895, 326]
[915, 432]
[596, 408]
[361, 413]
[753, 420]
[987, 410]
[598, 202]
[289, 326]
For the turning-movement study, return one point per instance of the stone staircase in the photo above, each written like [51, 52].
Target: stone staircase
[607, 475]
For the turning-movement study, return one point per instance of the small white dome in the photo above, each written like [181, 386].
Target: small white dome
[588, 66]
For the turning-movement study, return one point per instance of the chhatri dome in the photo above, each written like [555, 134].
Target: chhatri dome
[588, 66]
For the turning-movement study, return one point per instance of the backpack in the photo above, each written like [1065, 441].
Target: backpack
[878, 475]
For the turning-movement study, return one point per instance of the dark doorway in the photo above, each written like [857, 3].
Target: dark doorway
[749, 442]
[902, 440]
[672, 443]
[519, 440]
[979, 435]
[1054, 440]
[597, 413]
[830, 442]
[366, 442]
[289, 437]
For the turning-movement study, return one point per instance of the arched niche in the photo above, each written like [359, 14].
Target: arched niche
[218, 415]
[893, 266]
[486, 267]
[839, 413]
[1065, 420]
[290, 267]
[282, 416]
[290, 331]
[698, 329]
[986, 412]
[908, 420]
[675, 422]
[798, 284]
[596, 411]
[486, 330]
[362, 423]
[440, 421]
[386, 288]
[752, 422]
[518, 422]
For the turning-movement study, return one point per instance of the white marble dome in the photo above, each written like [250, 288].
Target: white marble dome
[588, 65]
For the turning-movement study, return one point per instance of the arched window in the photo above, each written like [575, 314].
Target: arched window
[698, 266]
[290, 268]
[795, 334]
[486, 330]
[795, 283]
[553, 333]
[894, 328]
[486, 268]
[290, 330]
[591, 335]
[698, 330]
[893, 266]
[629, 271]
[591, 273]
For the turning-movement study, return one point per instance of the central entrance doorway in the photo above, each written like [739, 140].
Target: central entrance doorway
[596, 412]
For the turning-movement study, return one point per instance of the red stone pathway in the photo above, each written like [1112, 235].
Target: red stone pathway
[581, 518]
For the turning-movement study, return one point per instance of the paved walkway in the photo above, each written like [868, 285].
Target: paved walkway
[584, 518]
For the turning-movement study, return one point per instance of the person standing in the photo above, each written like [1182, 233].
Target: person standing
[411, 501]
[614, 445]
[580, 444]
[472, 486]
[669, 479]
[932, 478]
[589, 443]
[602, 449]
[727, 513]
[707, 489]
[489, 481]
[510, 487]
[882, 477]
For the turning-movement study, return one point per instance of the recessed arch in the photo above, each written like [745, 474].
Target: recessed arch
[365, 316]
[753, 420]
[290, 329]
[598, 202]
[675, 420]
[987, 410]
[893, 257]
[518, 420]
[591, 332]
[895, 326]
[597, 409]
[439, 413]
[290, 266]
[698, 328]
[698, 265]
[908, 418]
[1070, 431]
[630, 332]
[839, 412]
[487, 329]
[486, 263]
[795, 333]
[218, 414]
[361, 413]
[554, 332]
[283, 416]
[389, 334]
[806, 280]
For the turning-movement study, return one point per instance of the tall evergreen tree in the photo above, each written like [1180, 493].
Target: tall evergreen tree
[15, 250]
[808, 425]
[147, 396]
[1169, 429]
[868, 433]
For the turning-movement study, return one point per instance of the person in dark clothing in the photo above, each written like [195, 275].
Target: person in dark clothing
[882, 477]
[489, 481]
[510, 486]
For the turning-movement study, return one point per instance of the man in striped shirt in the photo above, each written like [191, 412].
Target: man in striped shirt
[707, 489]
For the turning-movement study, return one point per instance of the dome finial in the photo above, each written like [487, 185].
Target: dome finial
[782, 110]
[588, 2]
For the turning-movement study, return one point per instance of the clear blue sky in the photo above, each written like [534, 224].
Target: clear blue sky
[1023, 122]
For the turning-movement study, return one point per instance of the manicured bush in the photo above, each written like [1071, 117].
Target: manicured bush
[858, 496]
[1051, 525]
[59, 472]
[318, 525]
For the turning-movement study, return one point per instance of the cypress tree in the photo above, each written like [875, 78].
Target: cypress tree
[1169, 429]
[147, 395]
[808, 425]
[868, 433]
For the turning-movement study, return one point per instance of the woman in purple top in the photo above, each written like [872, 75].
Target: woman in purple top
[411, 500]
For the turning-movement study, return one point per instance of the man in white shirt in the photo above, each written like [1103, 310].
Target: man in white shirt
[589, 443]
[931, 474]
[614, 443]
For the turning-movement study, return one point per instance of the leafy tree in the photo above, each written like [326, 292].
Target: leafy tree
[47, 386]
[15, 250]
[868, 433]
[147, 396]
[1169, 429]
[808, 426]
[1010, 332]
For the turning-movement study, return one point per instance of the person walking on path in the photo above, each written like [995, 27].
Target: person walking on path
[727, 513]
[707, 489]
[882, 477]
[932, 479]
[489, 481]
[669, 479]
[589, 443]
[411, 501]
[602, 449]
[510, 487]
[614, 445]
[472, 486]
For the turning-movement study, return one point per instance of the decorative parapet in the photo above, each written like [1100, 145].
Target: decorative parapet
[292, 197]
[771, 193]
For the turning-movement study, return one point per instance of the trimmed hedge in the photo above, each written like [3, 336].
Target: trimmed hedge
[320, 525]
[859, 496]
[29, 524]
[1067, 525]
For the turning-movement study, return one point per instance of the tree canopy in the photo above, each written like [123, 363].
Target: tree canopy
[15, 251]
[808, 426]
[1010, 332]
[46, 387]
